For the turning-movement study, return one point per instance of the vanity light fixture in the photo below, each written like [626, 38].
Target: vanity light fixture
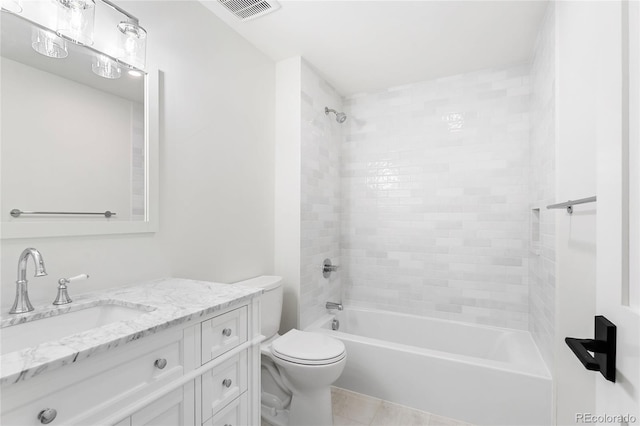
[48, 44]
[75, 23]
[76, 19]
[133, 42]
[106, 67]
[132, 39]
[13, 6]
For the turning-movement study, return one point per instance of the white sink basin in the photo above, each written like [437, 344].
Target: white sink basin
[32, 333]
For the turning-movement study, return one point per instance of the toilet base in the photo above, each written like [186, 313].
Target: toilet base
[274, 416]
[312, 408]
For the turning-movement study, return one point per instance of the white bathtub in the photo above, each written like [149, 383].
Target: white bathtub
[479, 374]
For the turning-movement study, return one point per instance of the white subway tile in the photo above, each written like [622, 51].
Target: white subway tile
[461, 144]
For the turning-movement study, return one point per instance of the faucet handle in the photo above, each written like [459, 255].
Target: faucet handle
[63, 296]
[64, 281]
[328, 268]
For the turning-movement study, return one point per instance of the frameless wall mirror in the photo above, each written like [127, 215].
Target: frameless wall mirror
[78, 137]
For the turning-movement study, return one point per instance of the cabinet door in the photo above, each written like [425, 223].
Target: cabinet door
[177, 408]
[223, 383]
[93, 388]
[234, 414]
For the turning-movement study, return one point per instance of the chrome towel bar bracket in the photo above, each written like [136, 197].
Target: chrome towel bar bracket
[569, 204]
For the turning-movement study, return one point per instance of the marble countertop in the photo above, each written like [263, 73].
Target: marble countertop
[165, 303]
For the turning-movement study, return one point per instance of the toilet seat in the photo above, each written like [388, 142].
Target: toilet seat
[308, 348]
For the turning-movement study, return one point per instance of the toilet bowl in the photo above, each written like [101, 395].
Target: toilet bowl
[309, 363]
[298, 367]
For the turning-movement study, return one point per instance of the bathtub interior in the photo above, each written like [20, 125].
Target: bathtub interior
[480, 374]
[500, 347]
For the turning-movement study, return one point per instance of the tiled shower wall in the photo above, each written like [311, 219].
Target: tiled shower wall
[320, 195]
[542, 255]
[435, 198]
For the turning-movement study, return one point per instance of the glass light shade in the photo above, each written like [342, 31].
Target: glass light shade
[106, 67]
[133, 44]
[76, 19]
[48, 44]
[13, 6]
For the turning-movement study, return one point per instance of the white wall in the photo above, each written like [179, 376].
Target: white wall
[216, 161]
[307, 222]
[435, 198]
[287, 187]
[320, 195]
[575, 178]
[218, 134]
[542, 262]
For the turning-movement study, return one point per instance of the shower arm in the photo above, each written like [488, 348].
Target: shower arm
[341, 117]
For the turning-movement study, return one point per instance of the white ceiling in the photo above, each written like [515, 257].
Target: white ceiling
[363, 45]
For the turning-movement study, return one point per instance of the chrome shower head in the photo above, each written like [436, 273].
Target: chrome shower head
[341, 117]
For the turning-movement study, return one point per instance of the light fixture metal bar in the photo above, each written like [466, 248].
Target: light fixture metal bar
[121, 10]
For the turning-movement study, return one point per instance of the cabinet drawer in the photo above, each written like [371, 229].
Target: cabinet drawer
[112, 378]
[234, 414]
[173, 409]
[223, 333]
[223, 384]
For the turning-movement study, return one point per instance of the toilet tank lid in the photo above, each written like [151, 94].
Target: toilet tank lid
[265, 282]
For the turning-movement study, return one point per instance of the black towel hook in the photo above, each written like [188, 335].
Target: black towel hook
[603, 348]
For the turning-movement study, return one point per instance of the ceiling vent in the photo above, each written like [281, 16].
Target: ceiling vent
[246, 10]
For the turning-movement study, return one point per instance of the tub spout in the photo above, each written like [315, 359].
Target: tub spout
[334, 305]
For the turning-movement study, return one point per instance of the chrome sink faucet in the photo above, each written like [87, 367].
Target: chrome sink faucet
[22, 303]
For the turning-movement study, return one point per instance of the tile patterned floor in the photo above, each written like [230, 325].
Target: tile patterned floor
[355, 409]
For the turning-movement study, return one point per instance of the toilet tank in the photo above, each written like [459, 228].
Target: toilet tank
[270, 302]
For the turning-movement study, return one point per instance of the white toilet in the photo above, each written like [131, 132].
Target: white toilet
[298, 367]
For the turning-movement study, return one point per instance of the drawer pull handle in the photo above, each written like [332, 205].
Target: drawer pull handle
[226, 332]
[227, 383]
[47, 415]
[160, 363]
[227, 424]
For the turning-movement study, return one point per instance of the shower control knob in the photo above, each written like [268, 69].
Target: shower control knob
[226, 332]
[328, 268]
[47, 415]
[227, 383]
[160, 363]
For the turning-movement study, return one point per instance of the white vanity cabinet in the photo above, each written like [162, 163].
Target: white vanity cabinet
[202, 371]
[172, 409]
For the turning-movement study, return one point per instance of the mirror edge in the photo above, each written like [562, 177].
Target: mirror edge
[14, 230]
